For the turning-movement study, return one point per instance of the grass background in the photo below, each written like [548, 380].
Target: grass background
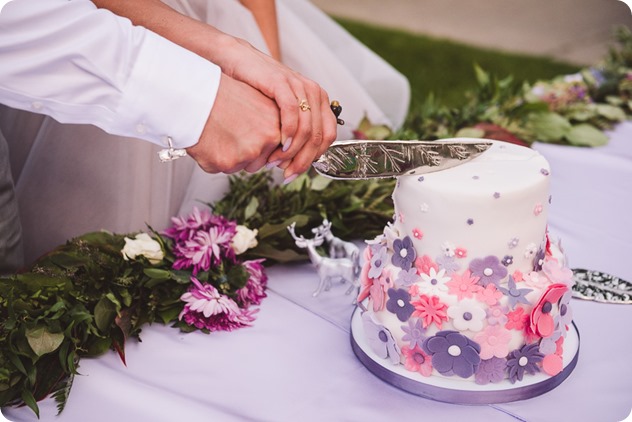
[446, 68]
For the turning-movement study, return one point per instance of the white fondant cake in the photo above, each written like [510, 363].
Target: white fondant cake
[465, 282]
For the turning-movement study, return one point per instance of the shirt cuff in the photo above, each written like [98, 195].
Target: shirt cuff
[169, 94]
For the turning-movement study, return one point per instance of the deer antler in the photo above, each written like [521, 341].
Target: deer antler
[292, 229]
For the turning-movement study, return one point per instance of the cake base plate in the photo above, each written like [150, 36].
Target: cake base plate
[457, 390]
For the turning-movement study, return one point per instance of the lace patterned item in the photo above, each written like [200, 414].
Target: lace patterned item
[601, 287]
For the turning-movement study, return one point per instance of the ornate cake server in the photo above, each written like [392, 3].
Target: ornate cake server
[601, 287]
[381, 159]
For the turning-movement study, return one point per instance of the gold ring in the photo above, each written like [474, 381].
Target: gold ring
[304, 106]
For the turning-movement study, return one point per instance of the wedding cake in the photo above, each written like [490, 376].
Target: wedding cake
[465, 283]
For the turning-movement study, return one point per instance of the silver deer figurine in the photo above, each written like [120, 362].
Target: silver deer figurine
[328, 269]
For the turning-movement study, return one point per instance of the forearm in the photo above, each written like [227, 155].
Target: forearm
[264, 12]
[78, 64]
[198, 37]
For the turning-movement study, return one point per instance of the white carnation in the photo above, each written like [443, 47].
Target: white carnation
[143, 245]
[244, 239]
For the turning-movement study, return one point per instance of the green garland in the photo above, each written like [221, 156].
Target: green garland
[84, 298]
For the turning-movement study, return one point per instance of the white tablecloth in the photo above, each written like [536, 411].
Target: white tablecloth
[296, 363]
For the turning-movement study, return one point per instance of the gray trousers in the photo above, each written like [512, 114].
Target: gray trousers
[11, 251]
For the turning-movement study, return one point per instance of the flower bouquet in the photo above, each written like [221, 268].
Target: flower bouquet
[99, 289]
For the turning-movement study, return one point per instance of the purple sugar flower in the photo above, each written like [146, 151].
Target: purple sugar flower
[403, 253]
[453, 353]
[515, 294]
[488, 269]
[399, 304]
[491, 370]
[566, 314]
[378, 262]
[538, 260]
[548, 345]
[523, 360]
[415, 333]
[380, 339]
[448, 263]
[407, 277]
[254, 290]
[507, 260]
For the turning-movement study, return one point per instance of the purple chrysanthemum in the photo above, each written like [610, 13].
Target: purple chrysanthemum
[488, 269]
[453, 353]
[399, 304]
[403, 253]
[254, 290]
[206, 308]
[523, 360]
[205, 249]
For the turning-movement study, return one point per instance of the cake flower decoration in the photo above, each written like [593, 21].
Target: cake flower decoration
[453, 353]
[403, 253]
[399, 304]
[464, 285]
[434, 282]
[494, 341]
[380, 339]
[467, 315]
[542, 322]
[416, 360]
[523, 360]
[424, 264]
[488, 269]
[407, 277]
[558, 273]
[431, 310]
[448, 263]
[414, 332]
[514, 294]
[491, 371]
[378, 262]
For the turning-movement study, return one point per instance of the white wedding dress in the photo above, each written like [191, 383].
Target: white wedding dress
[71, 179]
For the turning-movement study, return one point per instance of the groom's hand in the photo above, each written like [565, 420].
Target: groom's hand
[241, 132]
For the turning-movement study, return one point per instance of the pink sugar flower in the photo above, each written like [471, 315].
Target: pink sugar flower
[517, 276]
[542, 322]
[417, 234]
[490, 295]
[494, 341]
[557, 273]
[378, 291]
[365, 281]
[424, 264]
[537, 210]
[464, 285]
[517, 319]
[460, 252]
[413, 290]
[430, 310]
[416, 360]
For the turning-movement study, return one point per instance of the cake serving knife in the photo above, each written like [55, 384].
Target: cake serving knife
[364, 159]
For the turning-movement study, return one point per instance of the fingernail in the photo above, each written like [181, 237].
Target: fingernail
[288, 180]
[273, 164]
[287, 144]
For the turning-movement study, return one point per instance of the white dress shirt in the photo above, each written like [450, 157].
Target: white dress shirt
[80, 64]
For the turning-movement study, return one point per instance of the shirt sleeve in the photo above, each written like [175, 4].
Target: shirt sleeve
[80, 64]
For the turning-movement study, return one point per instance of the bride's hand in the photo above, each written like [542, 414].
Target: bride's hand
[306, 132]
[241, 131]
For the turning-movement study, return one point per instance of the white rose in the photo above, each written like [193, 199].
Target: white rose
[244, 239]
[143, 245]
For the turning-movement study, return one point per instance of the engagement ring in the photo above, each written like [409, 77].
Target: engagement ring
[304, 106]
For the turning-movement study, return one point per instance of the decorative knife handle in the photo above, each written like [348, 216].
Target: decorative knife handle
[337, 109]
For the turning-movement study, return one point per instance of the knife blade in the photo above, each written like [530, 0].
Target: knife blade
[367, 159]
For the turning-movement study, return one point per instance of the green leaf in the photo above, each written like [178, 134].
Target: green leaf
[157, 273]
[470, 132]
[320, 183]
[42, 341]
[251, 209]
[30, 401]
[482, 77]
[104, 314]
[586, 135]
[549, 127]
[611, 112]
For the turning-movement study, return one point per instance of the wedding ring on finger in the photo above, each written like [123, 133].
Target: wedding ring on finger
[303, 105]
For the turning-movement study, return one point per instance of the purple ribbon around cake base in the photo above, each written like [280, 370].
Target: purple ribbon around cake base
[455, 396]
